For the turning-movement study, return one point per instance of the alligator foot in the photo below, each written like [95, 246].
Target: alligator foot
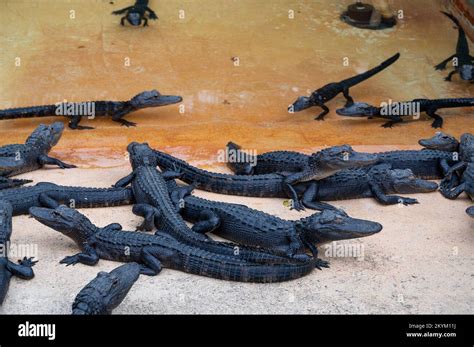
[407, 201]
[319, 264]
[388, 124]
[437, 123]
[320, 117]
[29, 262]
[297, 205]
[127, 123]
[70, 260]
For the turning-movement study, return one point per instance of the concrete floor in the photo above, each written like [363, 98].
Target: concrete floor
[422, 262]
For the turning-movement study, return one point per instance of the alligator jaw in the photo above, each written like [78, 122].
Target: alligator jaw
[302, 103]
[350, 228]
[415, 185]
[164, 100]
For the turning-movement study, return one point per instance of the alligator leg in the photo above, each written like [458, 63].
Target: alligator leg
[322, 114]
[117, 117]
[151, 13]
[145, 21]
[150, 214]
[309, 199]
[318, 263]
[456, 167]
[171, 175]
[453, 193]
[349, 100]
[74, 124]
[125, 181]
[208, 222]
[22, 270]
[45, 160]
[291, 193]
[444, 63]
[88, 257]
[394, 120]
[384, 199]
[438, 120]
[122, 20]
[177, 196]
[151, 263]
[449, 77]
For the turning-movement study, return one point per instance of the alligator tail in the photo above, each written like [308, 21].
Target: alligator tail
[366, 75]
[28, 112]
[454, 19]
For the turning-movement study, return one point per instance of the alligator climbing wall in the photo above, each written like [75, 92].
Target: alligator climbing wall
[237, 64]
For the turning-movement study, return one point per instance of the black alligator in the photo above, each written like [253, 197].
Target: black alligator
[426, 164]
[137, 13]
[105, 292]
[20, 158]
[7, 268]
[395, 111]
[244, 225]
[45, 194]
[374, 182]
[91, 109]
[161, 249]
[153, 202]
[464, 65]
[322, 95]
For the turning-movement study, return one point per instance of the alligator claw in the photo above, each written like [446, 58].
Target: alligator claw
[319, 264]
[70, 260]
[320, 118]
[27, 262]
[67, 166]
[409, 201]
[298, 206]
[127, 123]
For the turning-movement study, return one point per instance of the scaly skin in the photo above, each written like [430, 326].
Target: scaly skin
[17, 159]
[348, 184]
[154, 204]
[322, 95]
[137, 13]
[426, 164]
[361, 109]
[154, 251]
[116, 109]
[7, 268]
[465, 62]
[45, 194]
[247, 226]
[105, 292]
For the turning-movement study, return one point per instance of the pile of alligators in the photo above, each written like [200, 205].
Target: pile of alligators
[262, 248]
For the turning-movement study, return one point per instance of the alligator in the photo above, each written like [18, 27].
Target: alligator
[16, 159]
[152, 251]
[91, 109]
[136, 14]
[322, 95]
[395, 111]
[441, 142]
[464, 65]
[244, 225]
[153, 202]
[45, 194]
[426, 164]
[8, 268]
[106, 291]
[470, 211]
[377, 182]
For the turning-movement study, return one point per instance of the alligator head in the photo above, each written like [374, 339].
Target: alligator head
[141, 155]
[358, 109]
[334, 225]
[333, 159]
[441, 141]
[302, 103]
[67, 221]
[404, 182]
[108, 288]
[46, 135]
[467, 72]
[134, 17]
[470, 211]
[153, 98]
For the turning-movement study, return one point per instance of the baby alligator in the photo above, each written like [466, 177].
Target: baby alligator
[322, 95]
[91, 109]
[426, 164]
[33, 155]
[137, 13]
[247, 226]
[105, 292]
[348, 184]
[154, 204]
[7, 268]
[396, 110]
[154, 251]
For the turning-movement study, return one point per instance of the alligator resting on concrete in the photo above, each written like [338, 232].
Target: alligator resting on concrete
[377, 182]
[395, 111]
[244, 225]
[105, 292]
[137, 13]
[91, 109]
[426, 164]
[7, 268]
[33, 155]
[324, 94]
[161, 249]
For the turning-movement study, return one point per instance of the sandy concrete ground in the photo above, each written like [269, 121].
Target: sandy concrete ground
[421, 262]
